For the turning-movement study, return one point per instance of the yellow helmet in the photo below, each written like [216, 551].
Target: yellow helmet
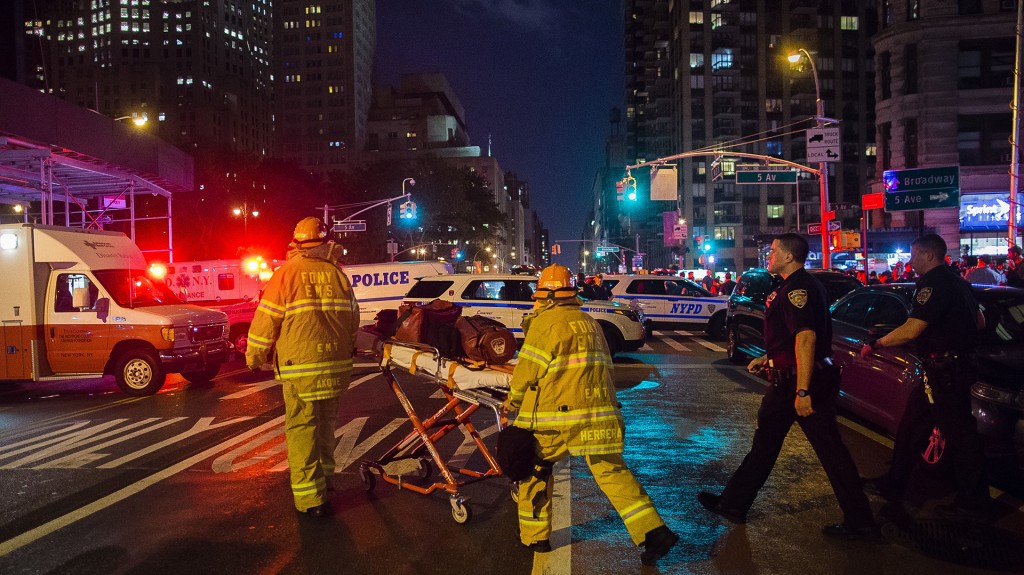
[555, 282]
[309, 231]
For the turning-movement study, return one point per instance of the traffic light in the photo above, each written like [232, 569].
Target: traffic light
[620, 189]
[407, 211]
[707, 246]
[697, 241]
[631, 188]
[457, 254]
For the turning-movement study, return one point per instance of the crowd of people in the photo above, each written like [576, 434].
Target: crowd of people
[978, 270]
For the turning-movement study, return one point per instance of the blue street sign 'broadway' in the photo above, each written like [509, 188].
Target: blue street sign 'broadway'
[922, 189]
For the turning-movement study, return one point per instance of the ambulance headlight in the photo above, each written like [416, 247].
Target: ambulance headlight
[8, 241]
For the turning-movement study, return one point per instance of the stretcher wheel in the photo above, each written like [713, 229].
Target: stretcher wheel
[514, 492]
[426, 470]
[460, 512]
[366, 476]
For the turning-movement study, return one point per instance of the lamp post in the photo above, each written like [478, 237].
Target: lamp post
[245, 212]
[826, 259]
[585, 254]
[411, 181]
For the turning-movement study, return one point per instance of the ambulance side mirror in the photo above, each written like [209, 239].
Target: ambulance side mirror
[103, 309]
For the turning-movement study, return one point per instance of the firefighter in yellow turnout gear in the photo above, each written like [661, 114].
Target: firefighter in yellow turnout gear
[564, 389]
[309, 315]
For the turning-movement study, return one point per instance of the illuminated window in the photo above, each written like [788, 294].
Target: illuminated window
[871, 150]
[696, 17]
[775, 211]
[696, 60]
[849, 23]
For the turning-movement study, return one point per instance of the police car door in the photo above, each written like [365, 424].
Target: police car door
[693, 304]
[489, 298]
[648, 293]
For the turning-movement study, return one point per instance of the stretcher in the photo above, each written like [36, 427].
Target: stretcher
[466, 389]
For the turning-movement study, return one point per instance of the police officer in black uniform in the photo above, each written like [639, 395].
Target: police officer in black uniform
[804, 388]
[943, 326]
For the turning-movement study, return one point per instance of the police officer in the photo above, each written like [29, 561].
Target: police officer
[804, 388]
[564, 389]
[943, 325]
[308, 313]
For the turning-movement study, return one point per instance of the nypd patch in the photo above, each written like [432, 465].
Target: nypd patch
[798, 298]
[923, 295]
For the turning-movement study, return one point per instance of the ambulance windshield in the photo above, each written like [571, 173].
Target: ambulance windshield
[134, 288]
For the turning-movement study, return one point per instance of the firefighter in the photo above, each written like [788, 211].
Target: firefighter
[309, 315]
[564, 389]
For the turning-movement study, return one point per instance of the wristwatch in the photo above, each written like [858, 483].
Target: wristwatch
[802, 393]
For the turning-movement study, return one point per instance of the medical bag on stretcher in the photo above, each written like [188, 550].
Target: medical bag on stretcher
[465, 389]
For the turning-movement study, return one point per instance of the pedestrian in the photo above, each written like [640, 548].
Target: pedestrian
[308, 316]
[601, 291]
[689, 276]
[983, 274]
[873, 278]
[1014, 267]
[885, 277]
[708, 281]
[586, 290]
[564, 389]
[943, 327]
[804, 388]
[728, 285]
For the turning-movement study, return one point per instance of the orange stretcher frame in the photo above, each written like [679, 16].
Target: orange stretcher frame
[420, 442]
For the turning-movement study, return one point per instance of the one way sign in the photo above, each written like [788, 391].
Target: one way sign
[824, 145]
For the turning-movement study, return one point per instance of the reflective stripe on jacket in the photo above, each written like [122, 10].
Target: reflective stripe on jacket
[309, 315]
[564, 380]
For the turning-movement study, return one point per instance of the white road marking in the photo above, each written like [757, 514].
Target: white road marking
[252, 388]
[559, 561]
[19, 541]
[675, 344]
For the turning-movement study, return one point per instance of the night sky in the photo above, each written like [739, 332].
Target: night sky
[539, 76]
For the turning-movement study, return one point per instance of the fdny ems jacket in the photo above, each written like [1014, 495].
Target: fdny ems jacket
[564, 382]
[309, 315]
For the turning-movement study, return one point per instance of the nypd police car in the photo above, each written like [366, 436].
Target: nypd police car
[508, 299]
[669, 301]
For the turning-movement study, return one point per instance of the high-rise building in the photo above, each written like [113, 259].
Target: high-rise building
[199, 71]
[944, 85]
[324, 80]
[714, 73]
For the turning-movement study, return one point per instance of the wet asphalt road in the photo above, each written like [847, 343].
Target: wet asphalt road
[194, 480]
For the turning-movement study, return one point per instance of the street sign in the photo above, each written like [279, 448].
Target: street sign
[815, 229]
[843, 206]
[765, 177]
[824, 145]
[638, 262]
[352, 226]
[872, 201]
[922, 189]
[606, 249]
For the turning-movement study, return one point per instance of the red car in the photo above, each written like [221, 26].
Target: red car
[876, 387]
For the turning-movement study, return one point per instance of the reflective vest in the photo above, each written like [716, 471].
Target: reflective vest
[309, 315]
[564, 380]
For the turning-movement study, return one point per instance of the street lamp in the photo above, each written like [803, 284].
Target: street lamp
[826, 258]
[411, 181]
[245, 212]
[585, 254]
[137, 119]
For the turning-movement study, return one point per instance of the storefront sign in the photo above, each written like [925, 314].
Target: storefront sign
[986, 212]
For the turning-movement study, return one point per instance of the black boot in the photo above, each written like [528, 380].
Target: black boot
[657, 544]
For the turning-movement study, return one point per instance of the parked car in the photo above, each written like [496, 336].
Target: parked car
[671, 301]
[876, 387]
[744, 322]
[508, 299]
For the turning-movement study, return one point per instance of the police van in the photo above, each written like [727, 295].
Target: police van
[508, 299]
[669, 301]
[376, 287]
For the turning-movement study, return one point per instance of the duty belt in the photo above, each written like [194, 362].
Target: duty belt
[782, 375]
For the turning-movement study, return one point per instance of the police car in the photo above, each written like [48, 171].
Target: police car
[508, 299]
[671, 301]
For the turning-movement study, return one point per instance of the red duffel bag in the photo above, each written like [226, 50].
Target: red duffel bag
[486, 340]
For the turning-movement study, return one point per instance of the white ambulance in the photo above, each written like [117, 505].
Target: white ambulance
[376, 287]
[78, 303]
[213, 283]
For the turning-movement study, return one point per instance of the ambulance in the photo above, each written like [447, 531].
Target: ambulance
[212, 283]
[77, 303]
[376, 287]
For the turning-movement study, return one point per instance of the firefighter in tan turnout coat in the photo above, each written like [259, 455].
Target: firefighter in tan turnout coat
[309, 316]
[564, 389]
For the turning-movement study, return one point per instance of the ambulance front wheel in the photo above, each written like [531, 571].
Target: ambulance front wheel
[138, 372]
